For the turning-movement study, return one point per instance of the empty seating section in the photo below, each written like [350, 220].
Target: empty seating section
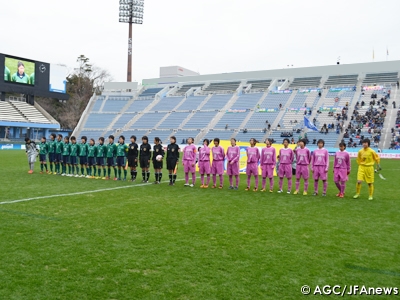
[273, 100]
[259, 84]
[101, 121]
[151, 92]
[162, 134]
[191, 103]
[123, 120]
[184, 88]
[247, 101]
[9, 113]
[258, 120]
[90, 134]
[184, 134]
[216, 102]
[233, 120]
[292, 119]
[173, 120]
[167, 104]
[298, 101]
[306, 82]
[137, 133]
[97, 105]
[148, 120]
[112, 105]
[200, 119]
[344, 97]
[30, 112]
[371, 79]
[221, 134]
[245, 137]
[342, 80]
[222, 86]
[139, 105]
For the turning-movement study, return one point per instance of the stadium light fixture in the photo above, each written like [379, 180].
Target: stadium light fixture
[131, 12]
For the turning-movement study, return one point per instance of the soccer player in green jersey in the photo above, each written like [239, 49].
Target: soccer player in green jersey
[122, 150]
[65, 157]
[32, 79]
[43, 150]
[7, 74]
[111, 154]
[73, 157]
[52, 151]
[101, 153]
[92, 152]
[20, 75]
[58, 156]
[83, 152]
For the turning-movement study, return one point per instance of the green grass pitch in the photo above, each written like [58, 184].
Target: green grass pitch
[162, 242]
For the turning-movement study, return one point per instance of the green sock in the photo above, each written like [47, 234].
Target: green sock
[41, 167]
[51, 167]
[104, 172]
[125, 172]
[82, 170]
[115, 172]
[69, 169]
[109, 172]
[94, 171]
[119, 173]
[45, 165]
[88, 171]
[98, 172]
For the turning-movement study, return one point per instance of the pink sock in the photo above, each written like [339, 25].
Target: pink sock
[215, 179]
[248, 180]
[202, 179]
[343, 186]
[305, 185]
[230, 180]
[271, 183]
[187, 178]
[264, 182]
[194, 178]
[237, 180]
[208, 179]
[221, 180]
[256, 179]
[325, 186]
[338, 185]
[289, 183]
[297, 184]
[316, 186]
[281, 183]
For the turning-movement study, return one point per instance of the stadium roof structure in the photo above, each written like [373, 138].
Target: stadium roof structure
[342, 69]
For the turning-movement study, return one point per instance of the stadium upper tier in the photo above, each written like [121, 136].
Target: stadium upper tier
[260, 108]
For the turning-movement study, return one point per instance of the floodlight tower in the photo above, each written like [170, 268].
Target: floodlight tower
[131, 12]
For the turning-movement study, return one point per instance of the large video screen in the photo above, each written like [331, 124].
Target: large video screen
[58, 78]
[19, 71]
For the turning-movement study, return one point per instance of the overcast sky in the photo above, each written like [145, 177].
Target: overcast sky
[208, 36]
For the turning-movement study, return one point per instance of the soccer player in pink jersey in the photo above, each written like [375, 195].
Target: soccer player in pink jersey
[286, 157]
[233, 156]
[303, 157]
[341, 169]
[320, 166]
[217, 167]
[189, 162]
[268, 161]
[204, 163]
[253, 156]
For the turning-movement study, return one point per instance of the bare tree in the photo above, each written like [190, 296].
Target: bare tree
[85, 80]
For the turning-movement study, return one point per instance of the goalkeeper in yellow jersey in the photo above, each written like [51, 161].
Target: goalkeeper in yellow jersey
[366, 160]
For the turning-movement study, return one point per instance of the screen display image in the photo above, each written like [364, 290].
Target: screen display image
[19, 71]
[58, 81]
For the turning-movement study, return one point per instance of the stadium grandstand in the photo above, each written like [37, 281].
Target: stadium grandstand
[345, 102]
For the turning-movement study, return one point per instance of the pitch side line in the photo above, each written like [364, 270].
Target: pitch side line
[77, 193]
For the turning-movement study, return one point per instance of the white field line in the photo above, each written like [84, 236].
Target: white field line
[77, 193]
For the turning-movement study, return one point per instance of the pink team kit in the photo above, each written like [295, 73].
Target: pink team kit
[268, 161]
[286, 157]
[303, 157]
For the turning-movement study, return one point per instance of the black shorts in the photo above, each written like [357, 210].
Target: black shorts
[144, 162]
[83, 160]
[132, 161]
[73, 160]
[293, 171]
[121, 161]
[157, 164]
[100, 161]
[42, 157]
[171, 164]
[65, 159]
[91, 161]
[58, 157]
[51, 157]
[110, 162]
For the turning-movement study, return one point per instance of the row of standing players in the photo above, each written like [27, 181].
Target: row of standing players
[98, 161]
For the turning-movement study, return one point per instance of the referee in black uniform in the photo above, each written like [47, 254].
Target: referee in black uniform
[172, 159]
[158, 165]
[144, 157]
[133, 157]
